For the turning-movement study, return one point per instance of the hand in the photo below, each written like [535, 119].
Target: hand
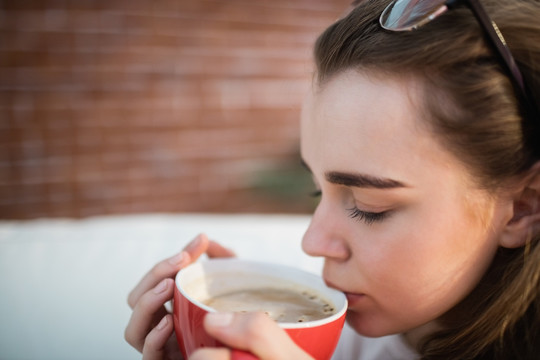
[253, 332]
[150, 329]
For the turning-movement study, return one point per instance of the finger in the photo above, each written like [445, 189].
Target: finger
[211, 354]
[254, 332]
[168, 268]
[197, 246]
[148, 309]
[165, 269]
[216, 250]
[154, 344]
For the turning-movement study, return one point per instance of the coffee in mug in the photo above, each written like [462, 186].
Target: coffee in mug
[310, 312]
[284, 304]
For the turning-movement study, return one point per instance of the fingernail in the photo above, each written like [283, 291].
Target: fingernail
[178, 258]
[193, 244]
[163, 323]
[161, 287]
[219, 319]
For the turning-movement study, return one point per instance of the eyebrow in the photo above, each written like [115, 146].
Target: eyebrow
[362, 180]
[359, 180]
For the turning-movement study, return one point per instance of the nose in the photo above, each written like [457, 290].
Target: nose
[324, 236]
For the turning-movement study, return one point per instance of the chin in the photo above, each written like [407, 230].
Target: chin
[369, 326]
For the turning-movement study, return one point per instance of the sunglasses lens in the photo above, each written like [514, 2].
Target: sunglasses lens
[409, 14]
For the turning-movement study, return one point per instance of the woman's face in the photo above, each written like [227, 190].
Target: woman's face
[403, 231]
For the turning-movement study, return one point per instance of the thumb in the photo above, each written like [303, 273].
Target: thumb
[253, 332]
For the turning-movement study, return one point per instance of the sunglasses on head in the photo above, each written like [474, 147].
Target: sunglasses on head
[403, 15]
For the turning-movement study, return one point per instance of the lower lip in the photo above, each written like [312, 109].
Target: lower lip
[354, 298]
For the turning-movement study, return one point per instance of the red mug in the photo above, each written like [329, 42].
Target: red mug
[202, 280]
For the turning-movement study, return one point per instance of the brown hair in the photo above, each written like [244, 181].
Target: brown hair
[471, 106]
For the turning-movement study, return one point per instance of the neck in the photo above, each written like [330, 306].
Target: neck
[414, 337]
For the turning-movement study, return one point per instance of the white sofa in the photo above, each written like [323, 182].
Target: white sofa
[64, 283]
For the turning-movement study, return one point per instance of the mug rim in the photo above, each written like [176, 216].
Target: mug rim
[277, 271]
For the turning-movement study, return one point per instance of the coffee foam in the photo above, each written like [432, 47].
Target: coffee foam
[269, 293]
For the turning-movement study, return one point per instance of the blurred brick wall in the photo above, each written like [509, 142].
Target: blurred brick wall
[111, 106]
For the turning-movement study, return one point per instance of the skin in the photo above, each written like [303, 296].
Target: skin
[430, 241]
[150, 328]
[440, 233]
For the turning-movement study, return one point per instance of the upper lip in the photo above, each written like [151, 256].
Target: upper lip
[332, 285]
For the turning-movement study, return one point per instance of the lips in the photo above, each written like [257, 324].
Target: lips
[352, 298]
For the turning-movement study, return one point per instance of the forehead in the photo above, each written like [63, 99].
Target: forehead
[369, 123]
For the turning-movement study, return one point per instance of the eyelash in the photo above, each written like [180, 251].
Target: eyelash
[365, 216]
[355, 213]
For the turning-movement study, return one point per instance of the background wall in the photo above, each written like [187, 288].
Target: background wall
[110, 106]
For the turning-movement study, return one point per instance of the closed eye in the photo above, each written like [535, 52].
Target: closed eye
[366, 216]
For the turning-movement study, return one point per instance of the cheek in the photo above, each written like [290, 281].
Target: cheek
[421, 269]
[464, 242]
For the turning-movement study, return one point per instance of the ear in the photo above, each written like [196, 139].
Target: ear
[525, 222]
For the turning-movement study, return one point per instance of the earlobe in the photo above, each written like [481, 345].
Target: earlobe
[525, 221]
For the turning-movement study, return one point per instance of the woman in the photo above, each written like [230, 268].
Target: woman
[424, 145]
